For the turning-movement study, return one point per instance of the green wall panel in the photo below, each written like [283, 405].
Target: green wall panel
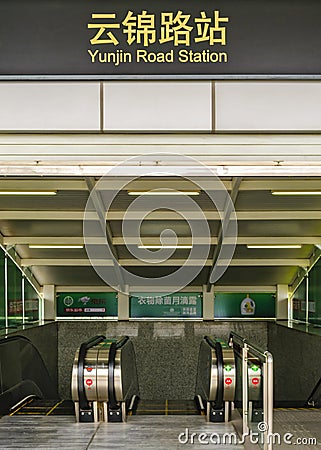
[244, 305]
[298, 302]
[182, 305]
[15, 308]
[87, 304]
[315, 294]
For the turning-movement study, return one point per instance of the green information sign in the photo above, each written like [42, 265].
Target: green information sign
[87, 304]
[180, 305]
[246, 306]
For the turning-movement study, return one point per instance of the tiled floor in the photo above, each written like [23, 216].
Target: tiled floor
[149, 432]
[140, 432]
[302, 425]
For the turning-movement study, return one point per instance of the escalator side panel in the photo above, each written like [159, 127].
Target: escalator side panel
[206, 387]
[22, 373]
[126, 381]
[229, 375]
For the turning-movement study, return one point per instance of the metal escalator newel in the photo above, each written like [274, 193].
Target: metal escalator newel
[216, 378]
[104, 380]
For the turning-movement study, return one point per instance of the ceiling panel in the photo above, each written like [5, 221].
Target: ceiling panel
[254, 195]
[242, 251]
[265, 201]
[63, 200]
[264, 276]
[41, 228]
[64, 276]
[279, 228]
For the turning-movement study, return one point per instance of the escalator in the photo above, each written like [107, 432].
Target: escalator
[105, 385]
[24, 376]
[104, 380]
[216, 379]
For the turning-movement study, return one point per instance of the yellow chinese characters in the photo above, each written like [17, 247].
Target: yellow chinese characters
[144, 29]
[102, 28]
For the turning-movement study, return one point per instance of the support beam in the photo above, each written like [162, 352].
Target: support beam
[150, 240]
[228, 210]
[72, 262]
[81, 288]
[264, 184]
[159, 215]
[29, 262]
[42, 185]
[238, 167]
[252, 289]
[98, 204]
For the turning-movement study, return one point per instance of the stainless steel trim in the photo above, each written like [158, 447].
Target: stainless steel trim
[74, 378]
[118, 376]
[213, 377]
[229, 375]
[160, 77]
[245, 399]
[102, 374]
[270, 384]
[90, 374]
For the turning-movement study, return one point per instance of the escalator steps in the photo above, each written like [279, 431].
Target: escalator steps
[46, 407]
[166, 407]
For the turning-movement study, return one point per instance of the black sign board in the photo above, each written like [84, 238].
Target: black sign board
[182, 39]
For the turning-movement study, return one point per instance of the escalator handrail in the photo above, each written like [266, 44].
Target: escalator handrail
[209, 341]
[83, 402]
[19, 337]
[122, 342]
[14, 338]
[111, 371]
[217, 346]
[220, 376]
[111, 376]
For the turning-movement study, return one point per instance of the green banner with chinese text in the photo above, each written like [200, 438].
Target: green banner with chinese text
[182, 305]
[89, 304]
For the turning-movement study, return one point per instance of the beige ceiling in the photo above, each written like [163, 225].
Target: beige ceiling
[262, 218]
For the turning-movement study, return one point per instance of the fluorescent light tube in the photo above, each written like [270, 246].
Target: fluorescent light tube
[154, 247]
[169, 192]
[28, 192]
[266, 246]
[61, 246]
[295, 193]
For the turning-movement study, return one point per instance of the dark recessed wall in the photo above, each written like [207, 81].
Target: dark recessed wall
[45, 339]
[166, 352]
[297, 364]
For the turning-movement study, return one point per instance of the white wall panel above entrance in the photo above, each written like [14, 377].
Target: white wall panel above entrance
[158, 106]
[268, 106]
[49, 106]
[226, 154]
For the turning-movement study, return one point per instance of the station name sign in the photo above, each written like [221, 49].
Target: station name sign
[198, 39]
